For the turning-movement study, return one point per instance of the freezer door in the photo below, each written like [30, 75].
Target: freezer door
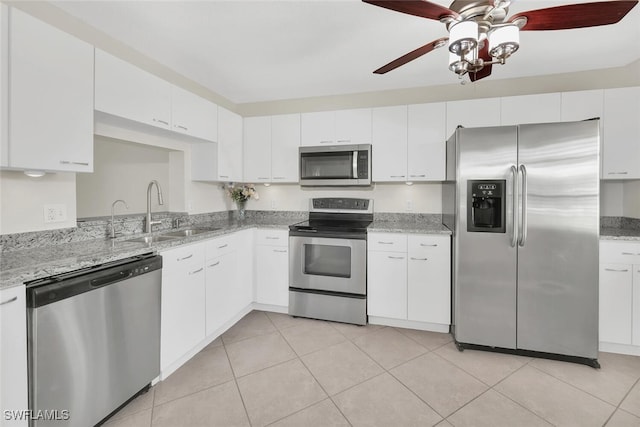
[484, 262]
[558, 253]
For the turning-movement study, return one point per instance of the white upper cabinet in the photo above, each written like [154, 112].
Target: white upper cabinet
[426, 142]
[389, 138]
[543, 108]
[337, 127]
[582, 105]
[4, 69]
[472, 113]
[257, 149]
[285, 140]
[229, 146]
[50, 97]
[621, 134]
[129, 92]
[193, 115]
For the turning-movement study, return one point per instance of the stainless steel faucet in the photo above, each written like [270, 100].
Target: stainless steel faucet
[113, 207]
[148, 222]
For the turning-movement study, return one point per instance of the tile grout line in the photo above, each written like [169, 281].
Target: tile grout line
[618, 408]
[235, 380]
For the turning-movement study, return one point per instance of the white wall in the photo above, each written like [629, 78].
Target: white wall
[611, 198]
[22, 201]
[632, 199]
[423, 198]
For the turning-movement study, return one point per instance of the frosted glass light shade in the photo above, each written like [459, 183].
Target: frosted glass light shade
[463, 37]
[503, 41]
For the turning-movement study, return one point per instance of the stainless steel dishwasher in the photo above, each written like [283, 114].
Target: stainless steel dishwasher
[93, 340]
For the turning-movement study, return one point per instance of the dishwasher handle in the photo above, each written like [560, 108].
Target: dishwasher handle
[111, 278]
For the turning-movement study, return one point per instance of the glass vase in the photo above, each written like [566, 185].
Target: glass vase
[242, 213]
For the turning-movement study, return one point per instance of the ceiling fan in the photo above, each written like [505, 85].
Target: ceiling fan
[480, 34]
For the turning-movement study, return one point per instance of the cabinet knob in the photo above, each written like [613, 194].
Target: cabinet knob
[187, 257]
[616, 270]
[9, 300]
[69, 162]
[196, 271]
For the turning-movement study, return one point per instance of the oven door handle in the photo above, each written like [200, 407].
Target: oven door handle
[329, 235]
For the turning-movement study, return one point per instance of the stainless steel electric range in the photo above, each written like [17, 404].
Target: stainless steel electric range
[328, 261]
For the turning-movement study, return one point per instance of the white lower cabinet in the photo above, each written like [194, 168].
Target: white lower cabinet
[272, 267]
[183, 302]
[409, 277]
[13, 354]
[620, 295]
[220, 288]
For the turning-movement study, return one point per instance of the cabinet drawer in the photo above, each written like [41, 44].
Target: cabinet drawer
[272, 237]
[183, 258]
[430, 246]
[619, 252]
[220, 246]
[388, 242]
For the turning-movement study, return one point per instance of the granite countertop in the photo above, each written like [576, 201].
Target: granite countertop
[20, 266]
[612, 233]
[409, 227]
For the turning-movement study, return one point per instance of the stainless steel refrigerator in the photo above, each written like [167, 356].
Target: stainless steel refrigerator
[523, 205]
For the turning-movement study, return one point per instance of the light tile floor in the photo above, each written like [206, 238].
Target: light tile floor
[272, 369]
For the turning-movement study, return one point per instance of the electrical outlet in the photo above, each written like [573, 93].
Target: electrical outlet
[409, 205]
[55, 213]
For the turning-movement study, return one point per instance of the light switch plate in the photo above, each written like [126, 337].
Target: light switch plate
[55, 213]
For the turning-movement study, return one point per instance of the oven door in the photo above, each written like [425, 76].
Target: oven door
[328, 264]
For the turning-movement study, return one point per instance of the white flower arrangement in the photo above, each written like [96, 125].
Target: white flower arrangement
[242, 193]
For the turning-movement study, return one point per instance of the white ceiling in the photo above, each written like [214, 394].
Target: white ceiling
[251, 51]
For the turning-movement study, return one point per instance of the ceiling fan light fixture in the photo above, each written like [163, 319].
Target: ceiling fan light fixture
[463, 37]
[504, 41]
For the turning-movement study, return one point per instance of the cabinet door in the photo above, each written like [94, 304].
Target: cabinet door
[257, 149]
[426, 142]
[318, 128]
[285, 140]
[221, 291]
[129, 92]
[582, 105]
[472, 113]
[543, 108]
[229, 145]
[621, 134]
[429, 279]
[4, 81]
[272, 275]
[13, 352]
[389, 144]
[193, 115]
[353, 126]
[244, 267]
[635, 327]
[387, 285]
[615, 303]
[204, 162]
[51, 97]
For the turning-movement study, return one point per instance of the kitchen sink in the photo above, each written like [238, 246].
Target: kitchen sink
[189, 232]
[151, 239]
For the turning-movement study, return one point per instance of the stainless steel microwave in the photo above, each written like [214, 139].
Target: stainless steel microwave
[335, 165]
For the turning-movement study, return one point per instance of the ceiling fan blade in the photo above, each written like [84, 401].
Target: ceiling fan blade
[420, 8]
[576, 15]
[423, 50]
[486, 70]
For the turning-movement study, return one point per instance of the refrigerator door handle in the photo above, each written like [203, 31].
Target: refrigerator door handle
[514, 213]
[523, 222]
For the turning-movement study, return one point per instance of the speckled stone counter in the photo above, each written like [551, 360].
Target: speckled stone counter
[619, 228]
[19, 266]
[408, 223]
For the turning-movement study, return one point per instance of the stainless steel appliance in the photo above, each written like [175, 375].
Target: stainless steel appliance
[93, 339]
[335, 165]
[523, 205]
[328, 261]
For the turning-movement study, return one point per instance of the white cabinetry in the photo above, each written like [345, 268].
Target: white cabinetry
[257, 148]
[543, 108]
[472, 113]
[229, 146]
[272, 268]
[429, 279]
[389, 139]
[621, 134]
[409, 280]
[50, 102]
[620, 295]
[285, 140]
[129, 92]
[582, 105]
[13, 353]
[336, 127]
[4, 82]
[221, 288]
[426, 142]
[193, 115]
[183, 302]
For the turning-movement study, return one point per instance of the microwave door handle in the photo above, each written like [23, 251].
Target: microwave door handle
[355, 164]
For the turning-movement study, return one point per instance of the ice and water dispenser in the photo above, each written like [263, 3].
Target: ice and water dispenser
[486, 206]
